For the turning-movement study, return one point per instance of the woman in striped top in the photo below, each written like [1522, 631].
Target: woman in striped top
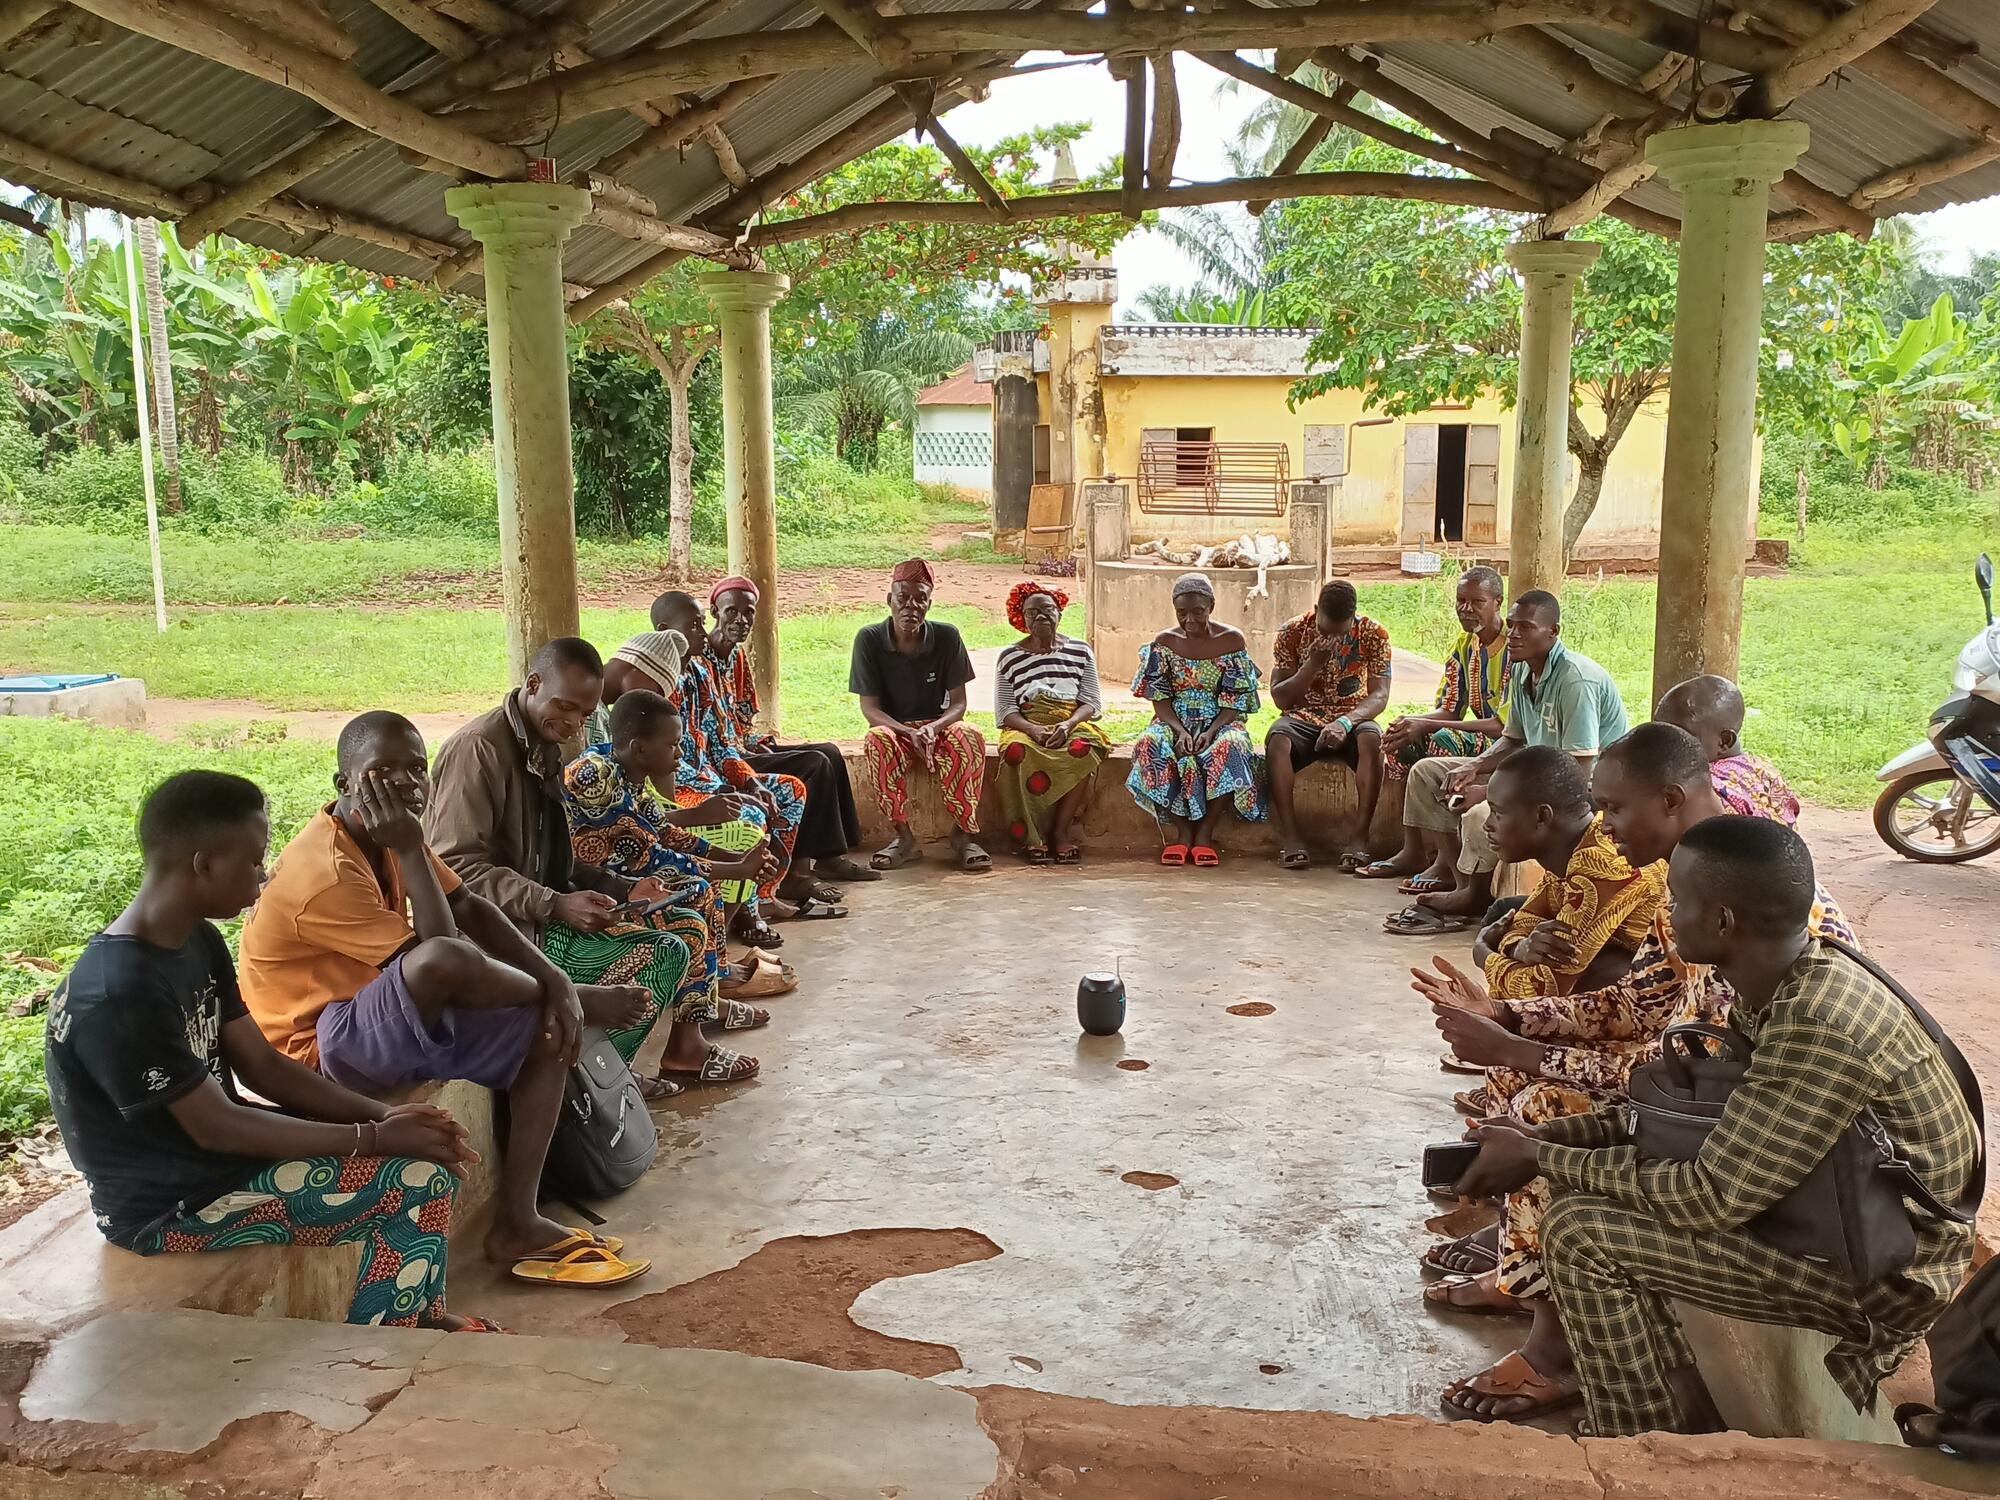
[1045, 700]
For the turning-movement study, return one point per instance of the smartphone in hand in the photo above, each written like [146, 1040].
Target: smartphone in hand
[1444, 1165]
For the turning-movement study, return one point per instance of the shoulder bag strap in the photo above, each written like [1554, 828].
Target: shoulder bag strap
[1967, 1207]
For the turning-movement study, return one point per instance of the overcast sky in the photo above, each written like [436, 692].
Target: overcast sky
[1091, 96]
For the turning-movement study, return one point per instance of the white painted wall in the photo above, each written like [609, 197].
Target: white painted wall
[954, 445]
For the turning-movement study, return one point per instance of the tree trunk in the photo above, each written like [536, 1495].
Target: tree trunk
[680, 469]
[1805, 489]
[165, 424]
[1878, 470]
[1590, 469]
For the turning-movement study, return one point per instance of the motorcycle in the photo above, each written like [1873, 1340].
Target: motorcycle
[1942, 801]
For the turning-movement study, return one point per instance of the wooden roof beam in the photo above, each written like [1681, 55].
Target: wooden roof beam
[708, 62]
[19, 17]
[1041, 206]
[1165, 143]
[1902, 182]
[681, 129]
[726, 159]
[437, 31]
[200, 29]
[1367, 75]
[1298, 94]
[869, 33]
[1890, 66]
[1576, 73]
[1843, 40]
[1318, 128]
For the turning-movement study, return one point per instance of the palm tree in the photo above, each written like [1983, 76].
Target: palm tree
[855, 389]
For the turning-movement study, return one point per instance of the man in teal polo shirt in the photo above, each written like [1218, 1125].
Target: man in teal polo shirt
[1556, 697]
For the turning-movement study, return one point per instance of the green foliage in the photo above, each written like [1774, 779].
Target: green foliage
[1923, 393]
[1247, 308]
[103, 488]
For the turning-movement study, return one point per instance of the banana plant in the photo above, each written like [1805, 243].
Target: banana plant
[1924, 393]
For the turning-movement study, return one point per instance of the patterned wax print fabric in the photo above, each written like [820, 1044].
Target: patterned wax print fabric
[1169, 784]
[707, 716]
[957, 759]
[1361, 662]
[623, 828]
[1599, 897]
[739, 697]
[1474, 686]
[398, 1209]
[1754, 789]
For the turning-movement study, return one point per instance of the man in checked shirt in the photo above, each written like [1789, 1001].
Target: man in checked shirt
[1624, 1236]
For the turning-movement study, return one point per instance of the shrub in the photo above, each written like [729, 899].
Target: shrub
[426, 492]
[104, 489]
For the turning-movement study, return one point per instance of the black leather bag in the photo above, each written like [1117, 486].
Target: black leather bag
[1851, 1213]
[604, 1139]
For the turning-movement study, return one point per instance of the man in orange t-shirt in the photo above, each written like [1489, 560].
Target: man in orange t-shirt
[367, 958]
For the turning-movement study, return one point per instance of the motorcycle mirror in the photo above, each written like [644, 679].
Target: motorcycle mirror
[1983, 572]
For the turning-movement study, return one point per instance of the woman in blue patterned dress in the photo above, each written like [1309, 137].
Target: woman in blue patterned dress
[1195, 758]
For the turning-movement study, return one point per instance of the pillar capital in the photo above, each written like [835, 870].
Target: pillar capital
[1551, 260]
[1695, 156]
[506, 216]
[744, 291]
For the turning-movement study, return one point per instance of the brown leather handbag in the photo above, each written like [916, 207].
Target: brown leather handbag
[1851, 1214]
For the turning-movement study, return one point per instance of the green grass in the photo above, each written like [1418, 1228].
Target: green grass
[414, 660]
[47, 563]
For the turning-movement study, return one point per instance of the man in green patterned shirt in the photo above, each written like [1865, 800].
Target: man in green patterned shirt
[1626, 1235]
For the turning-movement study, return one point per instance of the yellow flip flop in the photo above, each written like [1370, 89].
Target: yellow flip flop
[576, 1239]
[585, 1266]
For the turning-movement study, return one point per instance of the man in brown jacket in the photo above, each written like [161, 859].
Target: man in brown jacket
[497, 821]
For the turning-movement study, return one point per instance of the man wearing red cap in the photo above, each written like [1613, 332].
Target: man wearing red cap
[830, 827]
[910, 675]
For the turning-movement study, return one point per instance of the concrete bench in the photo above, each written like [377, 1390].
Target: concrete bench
[61, 1272]
[1114, 823]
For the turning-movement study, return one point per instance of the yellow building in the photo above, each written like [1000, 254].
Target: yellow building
[1197, 422]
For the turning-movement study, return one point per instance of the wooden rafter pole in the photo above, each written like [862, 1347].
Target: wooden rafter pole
[1042, 206]
[653, 231]
[1367, 76]
[339, 141]
[1335, 112]
[205, 32]
[1132, 195]
[726, 159]
[1829, 208]
[1579, 78]
[963, 166]
[19, 17]
[865, 27]
[1318, 128]
[301, 18]
[686, 127]
[1165, 143]
[310, 218]
[1901, 182]
[435, 30]
[1842, 40]
[65, 176]
[1888, 64]
[711, 61]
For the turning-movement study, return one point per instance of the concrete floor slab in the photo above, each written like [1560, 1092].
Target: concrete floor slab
[930, 1073]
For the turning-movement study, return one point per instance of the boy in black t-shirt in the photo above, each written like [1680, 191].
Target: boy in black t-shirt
[144, 1035]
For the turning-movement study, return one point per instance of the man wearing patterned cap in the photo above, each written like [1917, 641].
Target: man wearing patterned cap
[910, 674]
[831, 826]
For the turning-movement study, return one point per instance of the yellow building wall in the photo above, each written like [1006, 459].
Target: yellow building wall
[1250, 408]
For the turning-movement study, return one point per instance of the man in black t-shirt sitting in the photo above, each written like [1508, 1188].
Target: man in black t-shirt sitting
[910, 675]
[146, 1037]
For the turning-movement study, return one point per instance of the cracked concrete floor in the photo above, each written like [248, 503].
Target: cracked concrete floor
[1235, 1224]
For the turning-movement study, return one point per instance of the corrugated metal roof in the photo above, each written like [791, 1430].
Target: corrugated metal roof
[139, 107]
[960, 388]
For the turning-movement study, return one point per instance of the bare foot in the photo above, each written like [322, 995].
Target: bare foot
[615, 1005]
[1466, 901]
[506, 1243]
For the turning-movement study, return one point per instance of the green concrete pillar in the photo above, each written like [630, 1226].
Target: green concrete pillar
[1550, 270]
[749, 456]
[522, 226]
[1724, 175]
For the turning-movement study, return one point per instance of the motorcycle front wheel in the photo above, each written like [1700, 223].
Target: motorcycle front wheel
[1934, 817]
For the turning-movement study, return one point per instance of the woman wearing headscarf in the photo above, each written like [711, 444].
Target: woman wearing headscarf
[1045, 700]
[1195, 758]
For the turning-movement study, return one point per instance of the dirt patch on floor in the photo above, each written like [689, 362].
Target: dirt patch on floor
[1134, 1064]
[1253, 1008]
[790, 1300]
[1152, 1182]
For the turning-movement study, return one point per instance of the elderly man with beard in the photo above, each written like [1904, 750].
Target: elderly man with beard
[830, 827]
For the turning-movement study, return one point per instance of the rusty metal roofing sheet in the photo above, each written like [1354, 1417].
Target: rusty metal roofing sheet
[139, 107]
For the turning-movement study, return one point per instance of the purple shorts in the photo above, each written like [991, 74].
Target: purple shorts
[378, 1043]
